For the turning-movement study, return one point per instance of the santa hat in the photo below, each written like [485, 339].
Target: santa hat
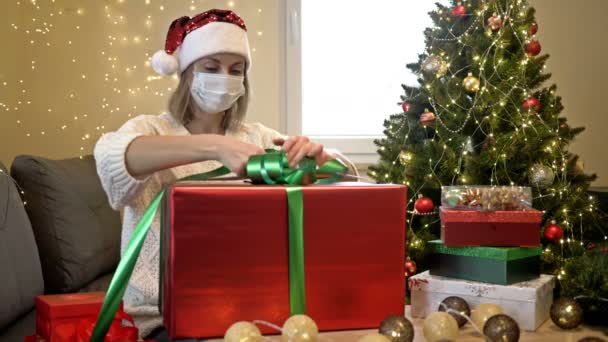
[211, 32]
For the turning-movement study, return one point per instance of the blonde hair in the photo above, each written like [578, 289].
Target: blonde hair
[181, 103]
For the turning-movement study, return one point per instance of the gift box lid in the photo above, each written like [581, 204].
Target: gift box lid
[496, 253]
[70, 305]
[527, 291]
[474, 216]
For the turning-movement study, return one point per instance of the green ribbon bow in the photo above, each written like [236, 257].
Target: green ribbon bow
[269, 168]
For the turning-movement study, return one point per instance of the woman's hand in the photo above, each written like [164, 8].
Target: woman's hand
[235, 154]
[298, 147]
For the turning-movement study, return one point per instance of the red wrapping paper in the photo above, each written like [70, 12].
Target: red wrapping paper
[59, 318]
[495, 228]
[226, 256]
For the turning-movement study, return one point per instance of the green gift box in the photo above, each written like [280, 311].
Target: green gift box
[493, 265]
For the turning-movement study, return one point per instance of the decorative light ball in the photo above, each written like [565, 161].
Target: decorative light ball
[533, 48]
[541, 176]
[300, 328]
[440, 326]
[243, 332]
[564, 126]
[405, 106]
[397, 328]
[434, 65]
[566, 313]
[533, 29]
[501, 328]
[532, 103]
[410, 267]
[459, 305]
[459, 11]
[483, 312]
[424, 205]
[553, 232]
[374, 338]
[471, 84]
[495, 22]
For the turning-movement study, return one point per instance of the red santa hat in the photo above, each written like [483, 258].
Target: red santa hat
[211, 32]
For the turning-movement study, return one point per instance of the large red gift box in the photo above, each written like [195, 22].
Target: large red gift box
[490, 228]
[59, 316]
[226, 256]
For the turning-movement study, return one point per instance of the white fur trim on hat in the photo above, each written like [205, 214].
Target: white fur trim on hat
[164, 63]
[212, 38]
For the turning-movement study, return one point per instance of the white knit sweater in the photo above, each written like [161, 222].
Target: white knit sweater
[132, 196]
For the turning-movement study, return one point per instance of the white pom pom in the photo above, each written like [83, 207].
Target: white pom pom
[164, 63]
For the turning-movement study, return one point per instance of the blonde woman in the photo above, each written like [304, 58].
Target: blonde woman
[204, 130]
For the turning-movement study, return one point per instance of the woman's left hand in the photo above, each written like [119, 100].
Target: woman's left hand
[298, 147]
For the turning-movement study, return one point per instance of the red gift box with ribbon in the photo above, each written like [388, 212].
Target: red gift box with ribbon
[71, 318]
[231, 254]
[519, 228]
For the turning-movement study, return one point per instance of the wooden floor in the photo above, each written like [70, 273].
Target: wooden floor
[547, 332]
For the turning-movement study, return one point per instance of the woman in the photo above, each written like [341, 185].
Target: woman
[203, 131]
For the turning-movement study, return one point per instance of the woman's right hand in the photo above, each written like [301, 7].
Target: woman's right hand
[234, 154]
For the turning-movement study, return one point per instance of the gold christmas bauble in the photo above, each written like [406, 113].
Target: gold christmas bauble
[243, 332]
[405, 157]
[471, 83]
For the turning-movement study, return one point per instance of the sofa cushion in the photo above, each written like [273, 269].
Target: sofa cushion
[25, 325]
[77, 233]
[19, 261]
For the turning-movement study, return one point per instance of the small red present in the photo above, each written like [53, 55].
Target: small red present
[519, 228]
[227, 256]
[71, 317]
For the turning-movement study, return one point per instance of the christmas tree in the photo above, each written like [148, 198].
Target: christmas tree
[481, 116]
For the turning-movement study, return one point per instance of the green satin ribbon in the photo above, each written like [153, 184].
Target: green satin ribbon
[269, 168]
[496, 253]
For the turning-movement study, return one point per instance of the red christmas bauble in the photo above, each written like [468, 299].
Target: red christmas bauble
[459, 11]
[410, 267]
[553, 232]
[424, 205]
[427, 119]
[533, 29]
[532, 103]
[495, 22]
[533, 48]
[405, 106]
[564, 126]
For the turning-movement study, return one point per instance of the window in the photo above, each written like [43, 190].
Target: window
[345, 63]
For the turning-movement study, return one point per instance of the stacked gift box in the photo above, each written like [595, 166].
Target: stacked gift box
[489, 252]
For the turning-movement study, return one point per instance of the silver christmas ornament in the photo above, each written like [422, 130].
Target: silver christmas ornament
[435, 65]
[541, 176]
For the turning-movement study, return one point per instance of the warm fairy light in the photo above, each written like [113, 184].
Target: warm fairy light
[111, 65]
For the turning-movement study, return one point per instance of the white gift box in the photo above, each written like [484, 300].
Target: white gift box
[527, 302]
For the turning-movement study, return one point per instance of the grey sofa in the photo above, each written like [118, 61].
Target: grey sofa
[66, 238]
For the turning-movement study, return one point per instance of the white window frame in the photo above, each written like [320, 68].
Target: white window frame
[360, 149]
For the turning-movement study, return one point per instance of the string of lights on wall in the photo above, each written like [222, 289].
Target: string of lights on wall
[109, 78]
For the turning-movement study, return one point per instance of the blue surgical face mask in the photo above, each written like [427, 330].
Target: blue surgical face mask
[215, 93]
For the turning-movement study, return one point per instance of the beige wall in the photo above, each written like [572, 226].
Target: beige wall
[572, 32]
[9, 73]
[82, 108]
